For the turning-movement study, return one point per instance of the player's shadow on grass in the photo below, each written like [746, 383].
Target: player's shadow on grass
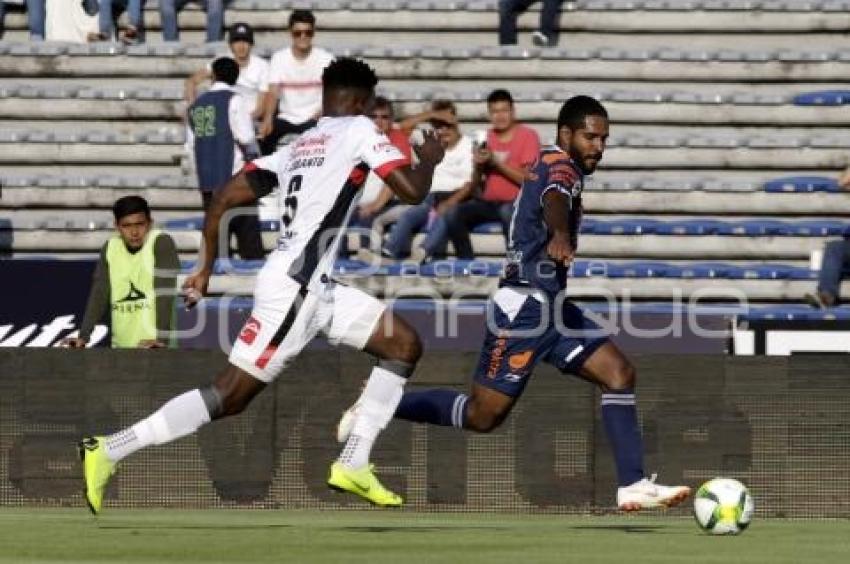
[415, 529]
[622, 528]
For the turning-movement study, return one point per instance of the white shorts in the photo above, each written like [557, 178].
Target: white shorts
[286, 317]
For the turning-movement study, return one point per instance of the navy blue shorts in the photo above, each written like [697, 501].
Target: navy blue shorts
[522, 331]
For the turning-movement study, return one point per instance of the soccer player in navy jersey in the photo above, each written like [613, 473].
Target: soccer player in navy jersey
[529, 319]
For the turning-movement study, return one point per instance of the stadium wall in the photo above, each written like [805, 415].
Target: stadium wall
[780, 424]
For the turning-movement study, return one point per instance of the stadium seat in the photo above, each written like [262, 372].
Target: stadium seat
[823, 98]
[802, 184]
[689, 227]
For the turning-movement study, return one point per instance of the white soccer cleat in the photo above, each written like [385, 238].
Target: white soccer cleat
[346, 423]
[646, 494]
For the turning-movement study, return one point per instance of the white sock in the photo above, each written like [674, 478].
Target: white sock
[180, 416]
[377, 404]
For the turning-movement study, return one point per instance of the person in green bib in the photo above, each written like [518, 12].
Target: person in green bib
[135, 279]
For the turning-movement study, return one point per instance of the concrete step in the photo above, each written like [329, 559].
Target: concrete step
[481, 287]
[639, 17]
[458, 63]
[665, 111]
[608, 246]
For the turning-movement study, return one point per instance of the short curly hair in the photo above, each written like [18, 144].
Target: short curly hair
[348, 72]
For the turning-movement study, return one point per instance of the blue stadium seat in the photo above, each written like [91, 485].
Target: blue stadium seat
[635, 226]
[493, 227]
[197, 223]
[823, 98]
[189, 223]
[755, 228]
[711, 270]
[690, 227]
[642, 269]
[802, 184]
[820, 228]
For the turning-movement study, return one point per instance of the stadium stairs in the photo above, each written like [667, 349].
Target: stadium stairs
[728, 132]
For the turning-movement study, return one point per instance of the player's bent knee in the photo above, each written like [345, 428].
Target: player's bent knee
[623, 376]
[407, 348]
[483, 420]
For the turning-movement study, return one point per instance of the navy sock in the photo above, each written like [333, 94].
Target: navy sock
[438, 407]
[619, 416]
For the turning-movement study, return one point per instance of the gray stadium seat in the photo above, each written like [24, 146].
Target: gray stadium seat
[568, 54]
[40, 137]
[636, 97]
[17, 181]
[697, 98]
[7, 136]
[774, 142]
[730, 186]
[67, 137]
[794, 56]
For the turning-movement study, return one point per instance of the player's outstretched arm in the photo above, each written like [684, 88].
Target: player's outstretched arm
[235, 193]
[556, 214]
[410, 184]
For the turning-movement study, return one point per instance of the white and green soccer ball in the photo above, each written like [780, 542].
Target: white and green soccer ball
[723, 506]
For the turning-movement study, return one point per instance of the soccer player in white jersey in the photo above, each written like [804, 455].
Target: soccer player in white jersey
[295, 298]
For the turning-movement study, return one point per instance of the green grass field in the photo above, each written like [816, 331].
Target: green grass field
[371, 537]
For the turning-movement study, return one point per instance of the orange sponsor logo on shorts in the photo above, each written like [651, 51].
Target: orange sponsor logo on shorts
[496, 357]
[519, 361]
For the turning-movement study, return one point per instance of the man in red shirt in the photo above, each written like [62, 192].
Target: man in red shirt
[501, 163]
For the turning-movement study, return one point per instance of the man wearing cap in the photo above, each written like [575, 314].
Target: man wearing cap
[253, 70]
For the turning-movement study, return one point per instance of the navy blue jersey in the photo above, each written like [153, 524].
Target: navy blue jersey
[528, 263]
[214, 148]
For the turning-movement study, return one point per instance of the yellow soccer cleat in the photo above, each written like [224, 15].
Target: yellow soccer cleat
[97, 469]
[364, 483]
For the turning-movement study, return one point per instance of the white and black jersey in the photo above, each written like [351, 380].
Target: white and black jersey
[320, 175]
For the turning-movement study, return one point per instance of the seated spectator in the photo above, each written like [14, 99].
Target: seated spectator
[109, 11]
[451, 180]
[550, 15]
[252, 84]
[68, 22]
[500, 167]
[168, 10]
[293, 102]
[836, 259]
[223, 135]
[135, 279]
[374, 211]
[36, 10]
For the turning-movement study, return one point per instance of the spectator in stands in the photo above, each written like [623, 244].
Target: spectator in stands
[293, 103]
[451, 180]
[500, 165]
[136, 279]
[223, 135]
[70, 22]
[546, 36]
[374, 211]
[108, 13]
[836, 258]
[35, 17]
[252, 84]
[215, 18]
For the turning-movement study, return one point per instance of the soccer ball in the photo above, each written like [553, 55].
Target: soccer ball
[723, 506]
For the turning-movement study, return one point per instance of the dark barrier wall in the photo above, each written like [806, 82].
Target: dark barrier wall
[781, 425]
